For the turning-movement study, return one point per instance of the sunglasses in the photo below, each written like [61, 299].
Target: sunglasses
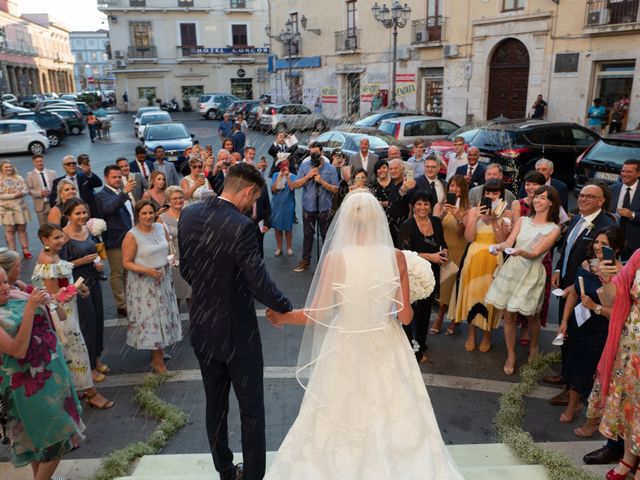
[70, 163]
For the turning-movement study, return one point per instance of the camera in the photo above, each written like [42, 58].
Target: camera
[315, 159]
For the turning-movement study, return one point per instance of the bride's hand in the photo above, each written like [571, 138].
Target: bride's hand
[275, 318]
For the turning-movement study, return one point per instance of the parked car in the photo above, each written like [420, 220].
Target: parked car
[152, 117]
[604, 159]
[292, 116]
[52, 101]
[22, 136]
[243, 107]
[83, 108]
[347, 138]
[8, 108]
[213, 105]
[376, 117]
[136, 117]
[70, 97]
[173, 137]
[73, 118]
[408, 129]
[30, 101]
[52, 123]
[9, 98]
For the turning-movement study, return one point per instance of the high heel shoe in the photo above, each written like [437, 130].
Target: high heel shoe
[588, 428]
[26, 254]
[509, 370]
[568, 418]
[613, 475]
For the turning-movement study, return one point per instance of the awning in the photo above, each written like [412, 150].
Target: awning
[303, 62]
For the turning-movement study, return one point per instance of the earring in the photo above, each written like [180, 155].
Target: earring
[46, 248]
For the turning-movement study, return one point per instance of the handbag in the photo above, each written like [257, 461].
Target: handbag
[448, 270]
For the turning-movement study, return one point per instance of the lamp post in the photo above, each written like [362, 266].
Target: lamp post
[287, 37]
[3, 36]
[396, 17]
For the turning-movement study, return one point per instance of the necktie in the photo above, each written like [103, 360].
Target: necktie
[143, 170]
[626, 202]
[470, 171]
[434, 192]
[570, 241]
[44, 180]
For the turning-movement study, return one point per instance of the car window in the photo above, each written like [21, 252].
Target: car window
[374, 142]
[204, 98]
[287, 110]
[4, 128]
[323, 139]
[422, 127]
[583, 138]
[17, 127]
[495, 137]
[166, 132]
[388, 127]
[303, 110]
[614, 151]
[446, 128]
[336, 141]
[28, 116]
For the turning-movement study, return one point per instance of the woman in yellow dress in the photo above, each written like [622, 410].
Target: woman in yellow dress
[482, 228]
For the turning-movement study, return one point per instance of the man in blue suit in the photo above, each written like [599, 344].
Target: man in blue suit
[142, 164]
[116, 206]
[545, 167]
[473, 171]
[625, 202]
[220, 259]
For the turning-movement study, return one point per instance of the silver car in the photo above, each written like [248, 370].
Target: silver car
[408, 129]
[291, 116]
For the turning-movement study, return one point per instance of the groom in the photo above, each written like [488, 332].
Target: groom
[220, 259]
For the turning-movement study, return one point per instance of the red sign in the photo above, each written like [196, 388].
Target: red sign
[329, 99]
[90, 79]
[405, 77]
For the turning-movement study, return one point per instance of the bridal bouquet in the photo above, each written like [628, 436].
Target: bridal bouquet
[421, 279]
[97, 227]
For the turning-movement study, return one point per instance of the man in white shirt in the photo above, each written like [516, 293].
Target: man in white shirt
[430, 182]
[39, 182]
[457, 158]
[140, 185]
[364, 159]
[162, 165]
[625, 202]
[418, 158]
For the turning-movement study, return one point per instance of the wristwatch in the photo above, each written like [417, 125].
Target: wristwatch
[598, 310]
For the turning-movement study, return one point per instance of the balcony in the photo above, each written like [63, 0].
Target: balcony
[152, 5]
[347, 41]
[136, 53]
[428, 31]
[296, 49]
[606, 16]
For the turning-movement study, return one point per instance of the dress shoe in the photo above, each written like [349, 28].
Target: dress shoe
[553, 380]
[560, 400]
[236, 473]
[122, 312]
[602, 456]
[103, 277]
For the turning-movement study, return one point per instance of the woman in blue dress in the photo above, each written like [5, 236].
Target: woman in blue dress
[283, 207]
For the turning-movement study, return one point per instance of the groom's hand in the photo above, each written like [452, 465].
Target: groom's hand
[274, 318]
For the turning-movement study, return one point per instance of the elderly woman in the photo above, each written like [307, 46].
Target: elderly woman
[155, 194]
[14, 213]
[66, 191]
[381, 185]
[154, 320]
[175, 199]
[11, 264]
[195, 186]
[283, 204]
[35, 383]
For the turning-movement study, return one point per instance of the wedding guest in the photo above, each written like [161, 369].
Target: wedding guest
[155, 194]
[85, 185]
[380, 187]
[260, 215]
[545, 167]
[453, 216]
[195, 186]
[283, 204]
[14, 212]
[238, 138]
[518, 287]
[55, 274]
[161, 164]
[139, 184]
[399, 209]
[585, 341]
[141, 164]
[10, 262]
[493, 171]
[175, 199]
[227, 144]
[280, 146]
[30, 350]
[339, 161]
[364, 159]
[430, 182]
[416, 161]
[423, 234]
[482, 227]
[457, 158]
[154, 319]
[626, 204]
[66, 191]
[473, 171]
[39, 182]
[80, 250]
[615, 395]
[359, 179]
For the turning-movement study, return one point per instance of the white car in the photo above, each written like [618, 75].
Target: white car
[22, 136]
[152, 116]
[136, 117]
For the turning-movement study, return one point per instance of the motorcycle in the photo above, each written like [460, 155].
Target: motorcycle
[172, 106]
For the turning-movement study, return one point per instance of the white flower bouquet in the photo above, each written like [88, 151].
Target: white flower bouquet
[421, 278]
[97, 227]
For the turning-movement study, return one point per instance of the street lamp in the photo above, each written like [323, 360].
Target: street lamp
[3, 37]
[304, 21]
[287, 37]
[395, 17]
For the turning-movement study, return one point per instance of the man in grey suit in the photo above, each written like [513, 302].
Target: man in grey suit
[141, 184]
[364, 159]
[625, 202]
[493, 170]
[161, 164]
[40, 182]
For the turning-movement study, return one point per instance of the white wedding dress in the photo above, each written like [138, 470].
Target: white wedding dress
[366, 414]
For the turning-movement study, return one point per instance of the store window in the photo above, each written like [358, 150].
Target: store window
[192, 91]
[431, 85]
[242, 88]
[147, 92]
[613, 81]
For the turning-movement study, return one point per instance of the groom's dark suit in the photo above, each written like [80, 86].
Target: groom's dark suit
[220, 259]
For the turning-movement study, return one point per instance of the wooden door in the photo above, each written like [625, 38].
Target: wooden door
[508, 80]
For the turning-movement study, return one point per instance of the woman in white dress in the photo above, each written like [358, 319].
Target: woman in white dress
[366, 413]
[518, 286]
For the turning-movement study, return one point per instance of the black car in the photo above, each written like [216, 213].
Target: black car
[83, 108]
[243, 107]
[73, 118]
[518, 145]
[375, 118]
[603, 160]
[30, 101]
[53, 123]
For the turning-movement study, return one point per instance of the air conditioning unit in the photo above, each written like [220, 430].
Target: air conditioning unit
[351, 43]
[119, 54]
[403, 53]
[599, 17]
[450, 50]
[422, 36]
[121, 63]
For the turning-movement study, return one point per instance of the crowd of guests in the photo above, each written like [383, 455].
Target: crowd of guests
[491, 251]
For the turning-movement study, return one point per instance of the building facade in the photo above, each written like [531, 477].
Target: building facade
[92, 69]
[35, 57]
[466, 61]
[164, 49]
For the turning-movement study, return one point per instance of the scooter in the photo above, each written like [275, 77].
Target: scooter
[172, 106]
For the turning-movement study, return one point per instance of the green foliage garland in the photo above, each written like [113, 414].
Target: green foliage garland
[171, 420]
[509, 421]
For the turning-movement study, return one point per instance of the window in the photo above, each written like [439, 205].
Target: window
[508, 5]
[242, 88]
[445, 127]
[17, 127]
[188, 37]
[79, 57]
[185, 3]
[140, 34]
[351, 18]
[336, 141]
[147, 92]
[583, 138]
[94, 56]
[239, 36]
[434, 8]
[92, 44]
[137, 3]
[78, 44]
[192, 91]
[238, 4]
[294, 21]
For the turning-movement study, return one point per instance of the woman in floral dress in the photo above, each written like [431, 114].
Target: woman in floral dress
[154, 319]
[14, 213]
[43, 410]
[616, 392]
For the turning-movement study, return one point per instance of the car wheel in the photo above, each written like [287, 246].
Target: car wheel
[320, 126]
[75, 130]
[54, 140]
[36, 148]
[211, 115]
[281, 127]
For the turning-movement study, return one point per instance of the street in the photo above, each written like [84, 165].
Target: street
[464, 387]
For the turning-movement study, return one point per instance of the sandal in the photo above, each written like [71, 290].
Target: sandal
[26, 254]
[566, 418]
[509, 370]
[159, 369]
[434, 331]
[588, 428]
[452, 329]
[100, 406]
[98, 377]
[277, 253]
[103, 368]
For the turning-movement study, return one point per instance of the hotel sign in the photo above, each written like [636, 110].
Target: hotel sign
[229, 51]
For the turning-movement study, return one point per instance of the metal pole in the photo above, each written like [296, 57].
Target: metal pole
[393, 78]
[290, 72]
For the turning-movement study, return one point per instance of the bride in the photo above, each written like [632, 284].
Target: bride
[365, 413]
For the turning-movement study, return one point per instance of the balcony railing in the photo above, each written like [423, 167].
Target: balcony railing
[296, 49]
[185, 3]
[348, 40]
[138, 3]
[238, 4]
[606, 12]
[427, 30]
[143, 52]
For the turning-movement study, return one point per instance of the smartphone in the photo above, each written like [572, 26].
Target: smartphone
[451, 198]
[201, 175]
[486, 203]
[608, 254]
[408, 174]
